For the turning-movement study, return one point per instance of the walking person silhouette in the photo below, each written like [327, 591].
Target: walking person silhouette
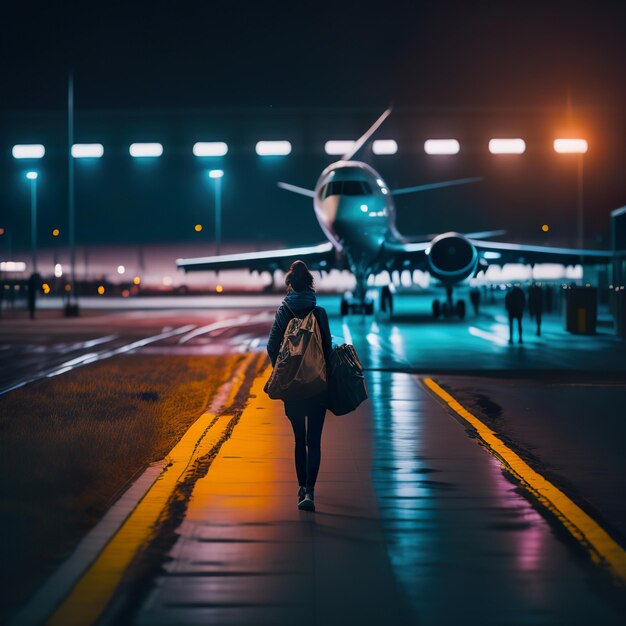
[515, 302]
[307, 414]
[535, 304]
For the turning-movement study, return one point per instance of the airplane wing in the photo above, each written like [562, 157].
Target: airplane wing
[320, 257]
[499, 253]
[398, 255]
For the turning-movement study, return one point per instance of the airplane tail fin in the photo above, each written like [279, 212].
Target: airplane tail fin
[360, 142]
[441, 185]
[295, 189]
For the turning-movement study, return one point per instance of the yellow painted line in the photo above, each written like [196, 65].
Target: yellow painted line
[603, 549]
[91, 595]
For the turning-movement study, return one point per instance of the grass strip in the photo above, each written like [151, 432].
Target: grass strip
[70, 445]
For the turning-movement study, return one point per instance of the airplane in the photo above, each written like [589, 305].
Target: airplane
[356, 212]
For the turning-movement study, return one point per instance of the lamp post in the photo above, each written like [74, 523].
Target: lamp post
[578, 147]
[32, 177]
[217, 176]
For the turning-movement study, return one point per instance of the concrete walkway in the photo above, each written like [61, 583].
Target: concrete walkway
[415, 524]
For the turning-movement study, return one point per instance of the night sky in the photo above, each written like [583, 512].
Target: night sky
[180, 53]
[267, 56]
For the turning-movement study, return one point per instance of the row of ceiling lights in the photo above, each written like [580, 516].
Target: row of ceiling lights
[282, 148]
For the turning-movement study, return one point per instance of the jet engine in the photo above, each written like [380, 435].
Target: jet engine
[451, 258]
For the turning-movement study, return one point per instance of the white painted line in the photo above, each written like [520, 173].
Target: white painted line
[92, 357]
[242, 320]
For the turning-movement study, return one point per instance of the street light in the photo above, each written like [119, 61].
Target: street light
[579, 147]
[217, 176]
[32, 177]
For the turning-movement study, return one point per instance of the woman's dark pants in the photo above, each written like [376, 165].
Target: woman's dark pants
[307, 421]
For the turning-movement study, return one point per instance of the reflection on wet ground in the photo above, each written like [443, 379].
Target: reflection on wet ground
[416, 524]
[464, 544]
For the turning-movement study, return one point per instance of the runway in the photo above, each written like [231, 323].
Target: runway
[412, 512]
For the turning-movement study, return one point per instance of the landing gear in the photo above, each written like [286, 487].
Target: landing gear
[358, 302]
[447, 308]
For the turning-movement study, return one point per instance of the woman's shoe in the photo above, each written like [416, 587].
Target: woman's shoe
[301, 494]
[308, 503]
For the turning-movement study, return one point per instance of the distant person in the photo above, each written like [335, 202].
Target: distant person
[515, 302]
[535, 304]
[475, 299]
[34, 285]
[306, 415]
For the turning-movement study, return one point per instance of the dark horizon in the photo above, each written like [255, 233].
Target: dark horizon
[191, 54]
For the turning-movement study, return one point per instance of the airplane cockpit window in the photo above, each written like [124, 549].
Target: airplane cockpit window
[346, 188]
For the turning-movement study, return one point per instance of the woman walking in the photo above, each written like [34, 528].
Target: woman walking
[306, 415]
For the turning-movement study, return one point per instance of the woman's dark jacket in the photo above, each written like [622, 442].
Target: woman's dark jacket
[301, 303]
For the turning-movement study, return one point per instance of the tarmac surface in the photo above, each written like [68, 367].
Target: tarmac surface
[416, 522]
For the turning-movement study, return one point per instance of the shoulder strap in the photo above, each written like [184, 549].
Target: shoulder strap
[290, 309]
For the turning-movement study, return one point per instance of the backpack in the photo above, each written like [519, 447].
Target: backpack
[300, 370]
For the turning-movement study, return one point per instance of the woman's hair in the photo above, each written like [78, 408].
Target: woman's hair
[299, 278]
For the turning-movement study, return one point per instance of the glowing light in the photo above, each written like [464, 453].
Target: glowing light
[1, 231]
[364, 208]
[337, 147]
[216, 173]
[100, 290]
[87, 150]
[198, 228]
[167, 280]
[121, 269]
[442, 146]
[12, 266]
[507, 146]
[28, 151]
[210, 148]
[545, 228]
[273, 148]
[56, 232]
[219, 288]
[125, 293]
[136, 280]
[570, 146]
[491, 255]
[32, 175]
[385, 146]
[46, 288]
[142, 150]
[68, 287]
[58, 270]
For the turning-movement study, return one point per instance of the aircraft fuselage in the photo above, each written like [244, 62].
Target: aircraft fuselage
[356, 211]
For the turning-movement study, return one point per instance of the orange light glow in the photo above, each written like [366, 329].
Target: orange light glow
[100, 289]
[570, 146]
[56, 232]
[68, 287]
[46, 288]
[219, 288]
[198, 228]
[545, 228]
[136, 280]
[125, 293]
[1, 231]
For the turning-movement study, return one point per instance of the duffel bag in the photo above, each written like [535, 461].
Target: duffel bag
[346, 383]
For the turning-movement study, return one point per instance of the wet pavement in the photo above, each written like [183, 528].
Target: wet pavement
[416, 524]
